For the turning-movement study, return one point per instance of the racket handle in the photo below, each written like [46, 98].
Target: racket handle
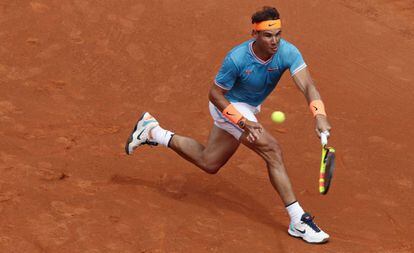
[324, 137]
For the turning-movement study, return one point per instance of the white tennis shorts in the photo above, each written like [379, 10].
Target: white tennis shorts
[222, 122]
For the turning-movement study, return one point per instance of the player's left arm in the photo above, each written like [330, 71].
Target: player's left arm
[304, 82]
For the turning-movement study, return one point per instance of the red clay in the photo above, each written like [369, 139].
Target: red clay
[74, 76]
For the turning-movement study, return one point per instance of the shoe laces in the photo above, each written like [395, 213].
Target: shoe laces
[308, 220]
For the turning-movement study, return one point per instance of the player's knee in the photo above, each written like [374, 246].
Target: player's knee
[273, 152]
[211, 167]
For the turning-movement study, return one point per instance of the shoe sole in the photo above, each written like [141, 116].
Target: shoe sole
[131, 137]
[300, 237]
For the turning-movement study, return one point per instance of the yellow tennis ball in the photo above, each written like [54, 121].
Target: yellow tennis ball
[278, 117]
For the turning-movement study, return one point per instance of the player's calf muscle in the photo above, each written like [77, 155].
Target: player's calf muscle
[194, 152]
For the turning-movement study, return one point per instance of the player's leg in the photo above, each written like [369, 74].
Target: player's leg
[220, 147]
[302, 224]
[268, 148]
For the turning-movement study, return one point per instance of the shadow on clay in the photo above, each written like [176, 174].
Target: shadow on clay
[221, 196]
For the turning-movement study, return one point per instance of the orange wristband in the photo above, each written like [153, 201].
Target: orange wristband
[317, 107]
[231, 113]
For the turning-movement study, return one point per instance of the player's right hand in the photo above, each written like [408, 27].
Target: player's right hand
[253, 130]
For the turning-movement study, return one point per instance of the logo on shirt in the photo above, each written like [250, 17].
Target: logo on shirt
[272, 69]
[248, 71]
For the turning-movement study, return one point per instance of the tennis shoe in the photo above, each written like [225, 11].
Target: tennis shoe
[140, 134]
[308, 230]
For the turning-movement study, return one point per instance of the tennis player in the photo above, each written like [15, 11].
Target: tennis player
[249, 73]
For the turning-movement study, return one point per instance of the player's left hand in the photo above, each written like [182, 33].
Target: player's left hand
[322, 124]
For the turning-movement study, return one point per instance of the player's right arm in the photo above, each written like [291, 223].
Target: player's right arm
[217, 97]
[224, 82]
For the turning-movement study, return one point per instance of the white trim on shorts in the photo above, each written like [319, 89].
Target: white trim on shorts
[222, 122]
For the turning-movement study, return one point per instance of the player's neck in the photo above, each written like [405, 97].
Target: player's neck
[260, 52]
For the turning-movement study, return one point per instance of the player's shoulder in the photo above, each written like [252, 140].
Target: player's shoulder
[286, 47]
[238, 53]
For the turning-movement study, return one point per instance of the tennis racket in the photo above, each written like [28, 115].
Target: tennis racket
[327, 164]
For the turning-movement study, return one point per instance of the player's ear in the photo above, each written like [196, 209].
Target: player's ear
[254, 33]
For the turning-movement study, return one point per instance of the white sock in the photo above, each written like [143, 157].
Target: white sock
[161, 136]
[295, 212]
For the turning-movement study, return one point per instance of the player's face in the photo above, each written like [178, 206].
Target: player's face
[269, 40]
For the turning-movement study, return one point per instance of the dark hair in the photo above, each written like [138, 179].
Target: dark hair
[266, 13]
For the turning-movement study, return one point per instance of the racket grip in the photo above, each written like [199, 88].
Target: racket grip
[324, 137]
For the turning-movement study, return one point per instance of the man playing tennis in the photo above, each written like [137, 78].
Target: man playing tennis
[249, 73]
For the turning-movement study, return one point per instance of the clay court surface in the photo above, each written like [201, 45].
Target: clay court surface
[75, 75]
